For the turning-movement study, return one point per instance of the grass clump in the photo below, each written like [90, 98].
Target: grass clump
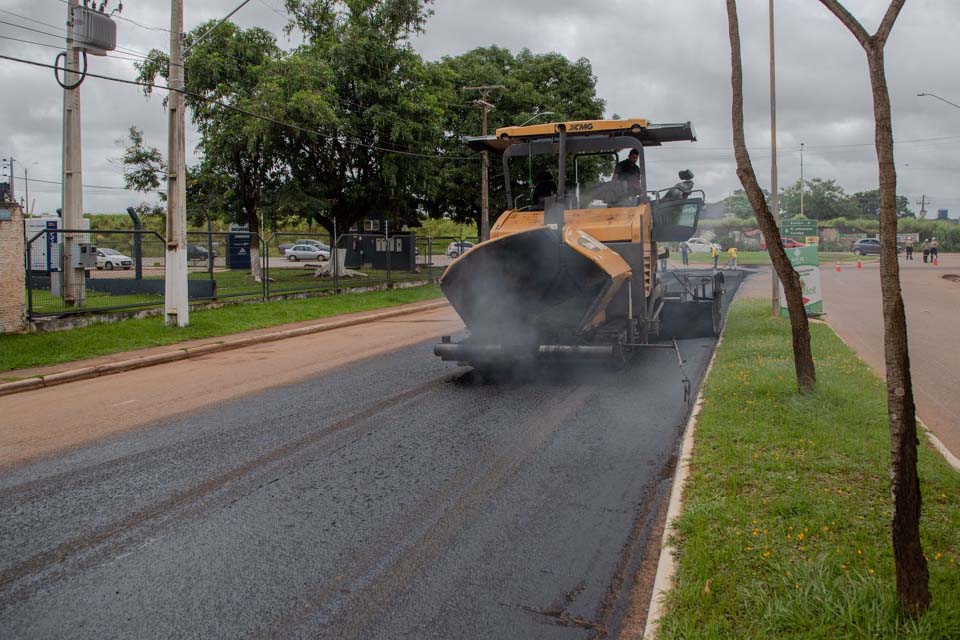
[19, 351]
[785, 531]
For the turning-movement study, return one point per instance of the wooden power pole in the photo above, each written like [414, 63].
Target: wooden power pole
[485, 107]
[176, 298]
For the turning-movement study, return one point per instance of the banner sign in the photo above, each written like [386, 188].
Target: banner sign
[807, 264]
[797, 229]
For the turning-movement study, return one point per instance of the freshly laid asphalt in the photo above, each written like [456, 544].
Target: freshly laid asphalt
[397, 497]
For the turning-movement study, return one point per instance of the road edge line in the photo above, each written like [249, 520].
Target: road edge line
[120, 366]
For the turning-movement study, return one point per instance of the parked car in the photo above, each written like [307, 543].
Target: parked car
[199, 252]
[788, 243]
[110, 259]
[307, 252]
[870, 246]
[315, 243]
[699, 245]
[455, 249]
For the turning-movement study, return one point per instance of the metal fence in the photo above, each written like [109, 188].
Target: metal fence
[130, 266]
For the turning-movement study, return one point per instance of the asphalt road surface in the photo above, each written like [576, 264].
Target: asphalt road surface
[396, 496]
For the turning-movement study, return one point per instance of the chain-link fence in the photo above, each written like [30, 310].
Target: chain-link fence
[129, 269]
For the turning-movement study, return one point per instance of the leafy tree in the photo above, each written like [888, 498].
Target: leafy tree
[534, 83]
[868, 204]
[738, 204]
[228, 67]
[822, 200]
[145, 170]
[370, 113]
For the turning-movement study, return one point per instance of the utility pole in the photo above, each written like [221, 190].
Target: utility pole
[12, 193]
[485, 107]
[774, 188]
[923, 206]
[801, 181]
[176, 298]
[74, 286]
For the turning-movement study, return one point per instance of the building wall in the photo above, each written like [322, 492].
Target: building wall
[12, 294]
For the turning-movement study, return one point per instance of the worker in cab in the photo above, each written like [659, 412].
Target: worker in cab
[628, 170]
[543, 187]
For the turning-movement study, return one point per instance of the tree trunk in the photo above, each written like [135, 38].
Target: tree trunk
[792, 286]
[913, 578]
[253, 226]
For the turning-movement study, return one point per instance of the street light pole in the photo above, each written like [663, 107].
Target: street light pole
[933, 95]
[774, 188]
[801, 180]
[485, 107]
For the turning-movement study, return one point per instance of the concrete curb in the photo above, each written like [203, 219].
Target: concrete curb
[667, 566]
[83, 373]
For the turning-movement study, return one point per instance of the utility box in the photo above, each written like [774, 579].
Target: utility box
[93, 31]
[85, 257]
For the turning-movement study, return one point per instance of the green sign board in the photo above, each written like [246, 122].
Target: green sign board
[798, 229]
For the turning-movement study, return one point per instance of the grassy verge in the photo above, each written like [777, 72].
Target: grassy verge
[39, 349]
[785, 527]
[754, 258]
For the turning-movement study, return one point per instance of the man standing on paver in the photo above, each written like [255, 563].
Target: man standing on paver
[685, 253]
[908, 245]
[715, 254]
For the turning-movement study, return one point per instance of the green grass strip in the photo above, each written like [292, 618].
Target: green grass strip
[18, 351]
[755, 258]
[785, 531]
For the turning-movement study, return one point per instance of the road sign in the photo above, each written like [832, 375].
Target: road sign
[798, 228]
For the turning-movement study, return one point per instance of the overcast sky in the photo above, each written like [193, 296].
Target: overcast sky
[668, 61]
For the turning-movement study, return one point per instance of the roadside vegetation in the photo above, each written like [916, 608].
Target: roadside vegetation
[785, 531]
[18, 351]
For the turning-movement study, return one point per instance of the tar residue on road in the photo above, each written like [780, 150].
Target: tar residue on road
[401, 497]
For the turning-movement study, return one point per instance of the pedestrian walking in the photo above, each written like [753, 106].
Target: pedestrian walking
[934, 249]
[732, 258]
[663, 258]
[715, 254]
[685, 253]
[925, 249]
[908, 245]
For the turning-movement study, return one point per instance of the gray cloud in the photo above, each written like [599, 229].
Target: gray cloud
[667, 61]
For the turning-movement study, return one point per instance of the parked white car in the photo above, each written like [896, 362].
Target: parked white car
[699, 245]
[307, 252]
[110, 259]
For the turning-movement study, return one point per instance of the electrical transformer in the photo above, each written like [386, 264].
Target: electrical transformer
[93, 31]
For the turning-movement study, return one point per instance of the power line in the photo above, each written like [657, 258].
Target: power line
[54, 46]
[252, 114]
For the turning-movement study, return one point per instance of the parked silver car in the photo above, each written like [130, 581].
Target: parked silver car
[112, 259]
[455, 249]
[307, 252]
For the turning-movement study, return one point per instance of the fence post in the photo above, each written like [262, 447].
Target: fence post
[29, 277]
[265, 267]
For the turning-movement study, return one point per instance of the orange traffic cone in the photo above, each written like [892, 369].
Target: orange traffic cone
[935, 261]
[859, 264]
[837, 268]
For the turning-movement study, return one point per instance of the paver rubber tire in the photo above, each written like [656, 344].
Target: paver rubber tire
[108, 266]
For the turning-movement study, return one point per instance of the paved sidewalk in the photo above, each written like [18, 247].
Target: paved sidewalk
[358, 316]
